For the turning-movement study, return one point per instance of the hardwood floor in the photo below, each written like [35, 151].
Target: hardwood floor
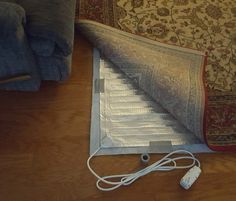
[44, 142]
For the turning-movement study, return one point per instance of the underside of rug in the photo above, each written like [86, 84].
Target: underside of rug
[126, 120]
[182, 53]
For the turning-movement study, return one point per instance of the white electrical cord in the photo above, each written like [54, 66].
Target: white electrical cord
[161, 165]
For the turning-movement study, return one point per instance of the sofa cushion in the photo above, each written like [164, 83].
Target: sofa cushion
[42, 46]
[50, 21]
[55, 67]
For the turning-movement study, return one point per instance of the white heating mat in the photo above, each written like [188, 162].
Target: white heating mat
[126, 120]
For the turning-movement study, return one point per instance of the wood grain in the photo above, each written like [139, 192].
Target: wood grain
[44, 142]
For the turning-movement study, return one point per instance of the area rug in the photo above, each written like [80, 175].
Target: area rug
[181, 52]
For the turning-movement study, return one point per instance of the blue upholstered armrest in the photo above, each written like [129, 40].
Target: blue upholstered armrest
[12, 16]
[17, 62]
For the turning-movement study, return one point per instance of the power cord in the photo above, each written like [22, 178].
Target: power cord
[167, 163]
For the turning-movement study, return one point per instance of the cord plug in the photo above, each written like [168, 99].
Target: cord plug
[145, 158]
[190, 177]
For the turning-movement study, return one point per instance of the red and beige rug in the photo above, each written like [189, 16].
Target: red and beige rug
[181, 52]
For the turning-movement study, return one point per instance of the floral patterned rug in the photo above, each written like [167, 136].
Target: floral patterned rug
[208, 26]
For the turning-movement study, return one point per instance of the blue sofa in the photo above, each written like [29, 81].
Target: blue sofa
[36, 42]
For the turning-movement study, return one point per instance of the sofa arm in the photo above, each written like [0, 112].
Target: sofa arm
[12, 17]
[50, 21]
[17, 63]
